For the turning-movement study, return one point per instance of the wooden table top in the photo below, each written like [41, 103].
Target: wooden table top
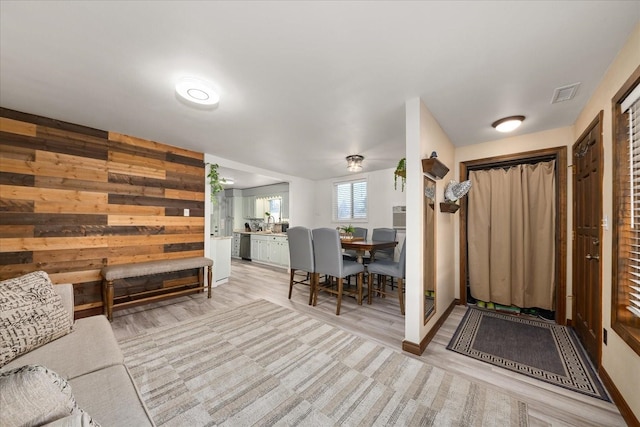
[367, 245]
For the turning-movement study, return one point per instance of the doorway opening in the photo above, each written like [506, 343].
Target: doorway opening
[557, 155]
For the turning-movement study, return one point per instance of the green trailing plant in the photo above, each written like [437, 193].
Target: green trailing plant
[400, 172]
[215, 181]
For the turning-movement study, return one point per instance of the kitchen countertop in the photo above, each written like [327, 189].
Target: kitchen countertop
[261, 233]
[221, 237]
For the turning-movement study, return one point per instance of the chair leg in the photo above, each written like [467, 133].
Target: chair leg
[291, 281]
[339, 296]
[315, 292]
[369, 287]
[400, 296]
[382, 285]
[359, 281]
[313, 283]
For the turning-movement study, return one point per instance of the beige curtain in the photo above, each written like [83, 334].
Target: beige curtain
[511, 235]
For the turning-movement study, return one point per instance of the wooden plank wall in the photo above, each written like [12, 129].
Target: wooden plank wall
[73, 199]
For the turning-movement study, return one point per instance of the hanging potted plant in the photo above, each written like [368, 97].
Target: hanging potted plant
[400, 172]
[215, 182]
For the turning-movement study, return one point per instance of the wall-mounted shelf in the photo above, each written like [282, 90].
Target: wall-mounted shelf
[449, 207]
[434, 167]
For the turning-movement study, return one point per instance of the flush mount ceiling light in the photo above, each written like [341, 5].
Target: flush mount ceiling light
[508, 124]
[197, 92]
[354, 162]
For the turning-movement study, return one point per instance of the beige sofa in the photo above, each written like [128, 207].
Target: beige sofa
[92, 362]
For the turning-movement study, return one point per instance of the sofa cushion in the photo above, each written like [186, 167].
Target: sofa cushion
[34, 395]
[91, 346]
[111, 397]
[75, 420]
[31, 315]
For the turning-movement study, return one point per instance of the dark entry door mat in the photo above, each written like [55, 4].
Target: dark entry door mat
[542, 350]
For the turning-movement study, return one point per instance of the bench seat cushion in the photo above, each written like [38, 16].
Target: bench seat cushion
[123, 271]
[91, 346]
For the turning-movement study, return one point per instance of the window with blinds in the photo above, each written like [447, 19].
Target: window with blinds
[631, 106]
[625, 293]
[350, 200]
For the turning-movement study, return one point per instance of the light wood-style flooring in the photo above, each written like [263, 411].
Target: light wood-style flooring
[382, 322]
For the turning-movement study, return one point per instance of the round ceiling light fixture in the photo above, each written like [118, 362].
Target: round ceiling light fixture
[197, 92]
[354, 162]
[508, 124]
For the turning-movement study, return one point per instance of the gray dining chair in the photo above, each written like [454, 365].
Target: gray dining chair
[350, 254]
[383, 235]
[301, 258]
[329, 261]
[386, 268]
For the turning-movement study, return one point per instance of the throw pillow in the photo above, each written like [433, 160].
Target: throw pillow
[31, 315]
[32, 395]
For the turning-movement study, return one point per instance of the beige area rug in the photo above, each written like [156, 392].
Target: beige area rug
[263, 364]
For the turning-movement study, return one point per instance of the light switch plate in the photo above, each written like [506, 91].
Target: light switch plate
[186, 212]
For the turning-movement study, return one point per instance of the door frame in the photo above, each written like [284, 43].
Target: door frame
[559, 154]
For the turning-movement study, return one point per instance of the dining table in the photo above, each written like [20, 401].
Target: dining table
[361, 246]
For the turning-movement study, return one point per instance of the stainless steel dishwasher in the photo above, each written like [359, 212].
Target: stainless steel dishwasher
[245, 246]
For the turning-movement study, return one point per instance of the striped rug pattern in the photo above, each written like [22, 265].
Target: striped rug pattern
[263, 364]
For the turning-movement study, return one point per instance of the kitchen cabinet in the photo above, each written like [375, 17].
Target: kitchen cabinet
[235, 246]
[284, 206]
[249, 207]
[272, 250]
[220, 253]
[262, 206]
[256, 242]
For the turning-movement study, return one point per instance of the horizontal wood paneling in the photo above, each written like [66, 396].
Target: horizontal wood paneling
[74, 199]
[17, 127]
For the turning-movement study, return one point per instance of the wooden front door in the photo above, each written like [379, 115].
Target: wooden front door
[587, 250]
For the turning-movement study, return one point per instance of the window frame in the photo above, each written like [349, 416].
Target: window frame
[622, 321]
[334, 201]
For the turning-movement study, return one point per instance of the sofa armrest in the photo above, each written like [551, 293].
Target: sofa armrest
[66, 293]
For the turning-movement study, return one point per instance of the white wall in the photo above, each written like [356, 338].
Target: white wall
[381, 197]
[425, 135]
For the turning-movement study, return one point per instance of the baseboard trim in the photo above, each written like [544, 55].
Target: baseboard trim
[418, 349]
[623, 407]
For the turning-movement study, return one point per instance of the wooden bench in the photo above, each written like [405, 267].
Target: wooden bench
[125, 271]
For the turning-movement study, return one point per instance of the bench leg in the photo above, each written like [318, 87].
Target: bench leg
[107, 293]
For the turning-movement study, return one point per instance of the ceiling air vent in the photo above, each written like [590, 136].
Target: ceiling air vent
[564, 93]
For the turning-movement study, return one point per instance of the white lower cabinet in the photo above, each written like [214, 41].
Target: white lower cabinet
[273, 250]
[235, 246]
[220, 253]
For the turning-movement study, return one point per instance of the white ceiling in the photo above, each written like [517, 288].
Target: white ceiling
[304, 84]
